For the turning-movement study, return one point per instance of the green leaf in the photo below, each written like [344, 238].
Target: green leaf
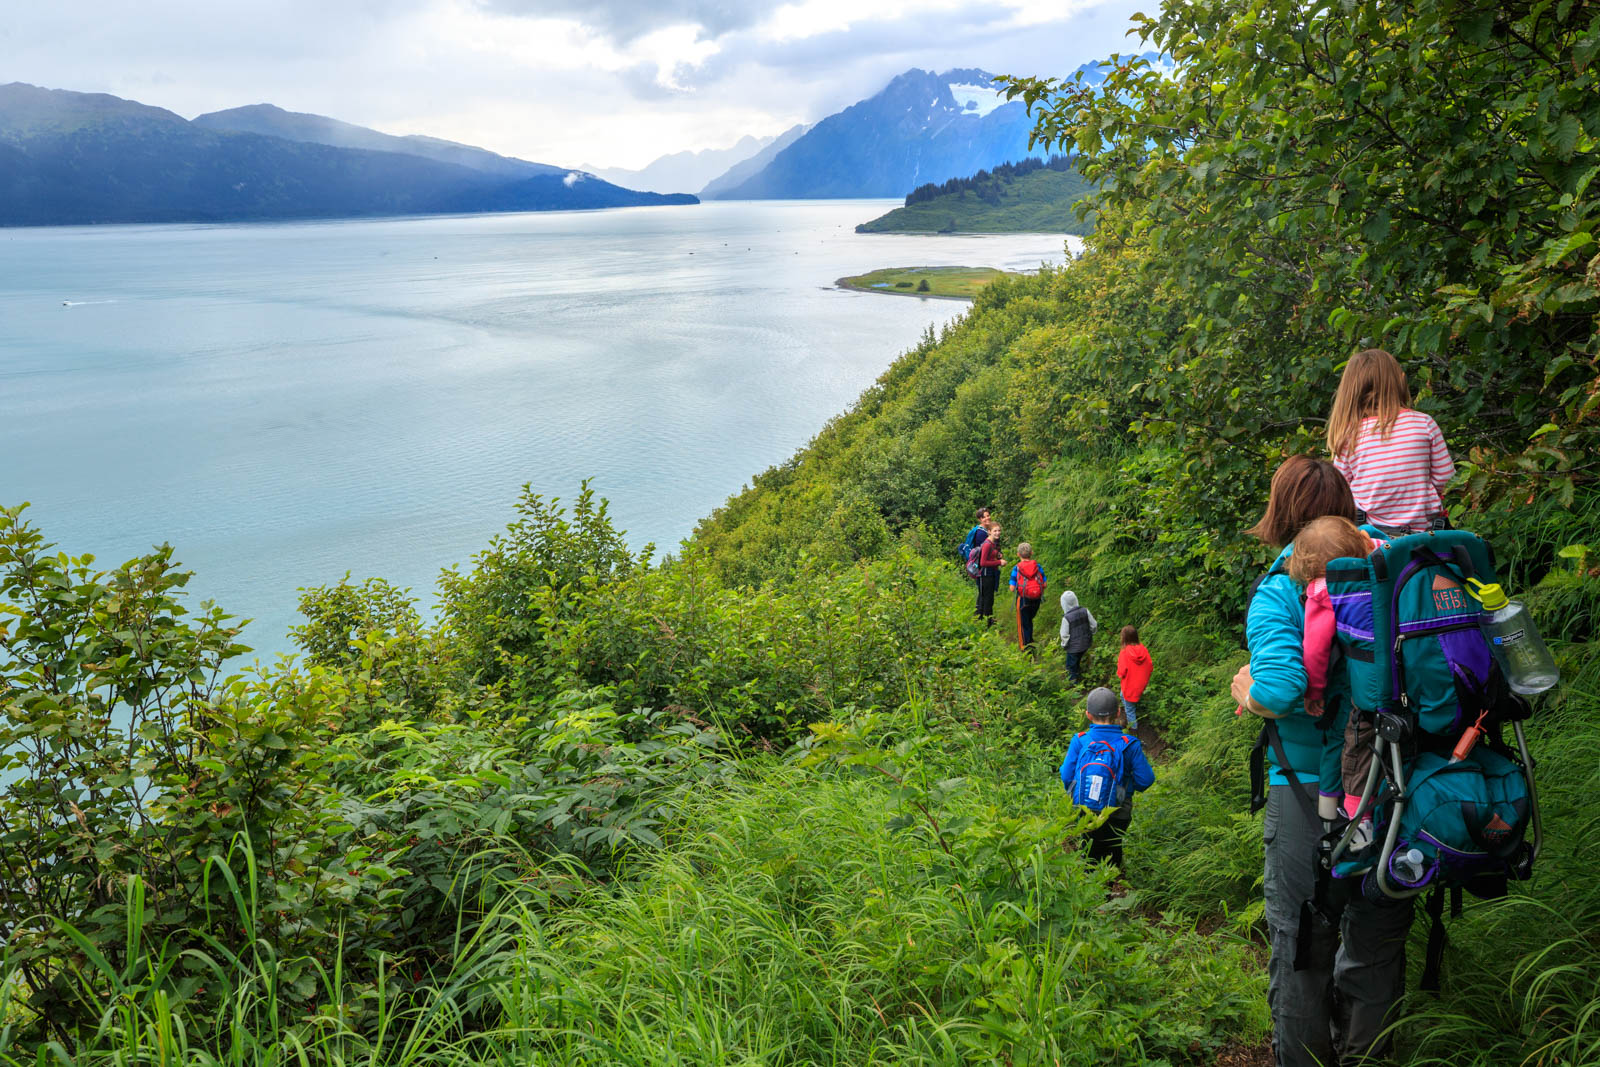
[1555, 251]
[1584, 50]
[1564, 137]
[1554, 368]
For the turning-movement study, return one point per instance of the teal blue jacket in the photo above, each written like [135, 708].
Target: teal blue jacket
[1274, 631]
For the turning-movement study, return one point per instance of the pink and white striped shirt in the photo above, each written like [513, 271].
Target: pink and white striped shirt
[1396, 479]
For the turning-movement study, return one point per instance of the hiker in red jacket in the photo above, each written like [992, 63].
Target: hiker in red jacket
[1133, 667]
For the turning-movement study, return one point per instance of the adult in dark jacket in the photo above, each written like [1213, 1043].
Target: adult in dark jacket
[1363, 957]
[989, 564]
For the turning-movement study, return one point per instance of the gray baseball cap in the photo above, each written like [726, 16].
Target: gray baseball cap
[1103, 703]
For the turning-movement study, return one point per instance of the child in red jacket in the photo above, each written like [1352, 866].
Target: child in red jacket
[1133, 667]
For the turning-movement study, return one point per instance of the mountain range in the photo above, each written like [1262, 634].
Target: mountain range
[68, 157]
[73, 158]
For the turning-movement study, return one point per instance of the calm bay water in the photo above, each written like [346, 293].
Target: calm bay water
[285, 403]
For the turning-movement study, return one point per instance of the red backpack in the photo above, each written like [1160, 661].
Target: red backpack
[1030, 580]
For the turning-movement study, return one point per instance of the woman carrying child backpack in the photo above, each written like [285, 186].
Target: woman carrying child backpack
[1355, 959]
[1393, 456]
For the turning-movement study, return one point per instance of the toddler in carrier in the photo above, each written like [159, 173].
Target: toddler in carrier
[1322, 541]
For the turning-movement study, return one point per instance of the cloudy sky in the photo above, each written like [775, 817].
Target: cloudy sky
[569, 82]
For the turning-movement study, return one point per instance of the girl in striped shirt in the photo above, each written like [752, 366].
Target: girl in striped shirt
[1394, 457]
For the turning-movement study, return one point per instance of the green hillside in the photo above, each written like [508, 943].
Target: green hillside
[779, 800]
[1040, 201]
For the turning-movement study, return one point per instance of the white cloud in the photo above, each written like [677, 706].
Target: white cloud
[612, 82]
[627, 20]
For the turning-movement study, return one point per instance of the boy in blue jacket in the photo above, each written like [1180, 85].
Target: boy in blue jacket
[1104, 768]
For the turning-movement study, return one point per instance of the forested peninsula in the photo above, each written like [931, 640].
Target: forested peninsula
[777, 799]
[1034, 196]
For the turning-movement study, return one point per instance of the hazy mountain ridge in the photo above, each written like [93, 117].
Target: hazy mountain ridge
[272, 121]
[75, 158]
[681, 171]
[747, 168]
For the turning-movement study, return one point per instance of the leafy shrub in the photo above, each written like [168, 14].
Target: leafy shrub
[129, 760]
[542, 567]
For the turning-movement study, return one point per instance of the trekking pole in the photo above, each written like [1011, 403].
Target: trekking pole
[1018, 599]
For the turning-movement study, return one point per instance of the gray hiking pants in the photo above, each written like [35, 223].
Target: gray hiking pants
[1333, 1006]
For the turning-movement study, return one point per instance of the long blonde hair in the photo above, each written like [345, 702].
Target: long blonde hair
[1373, 384]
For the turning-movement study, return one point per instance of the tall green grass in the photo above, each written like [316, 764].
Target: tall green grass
[789, 925]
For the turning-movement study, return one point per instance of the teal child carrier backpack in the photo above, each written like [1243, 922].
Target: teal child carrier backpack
[1453, 805]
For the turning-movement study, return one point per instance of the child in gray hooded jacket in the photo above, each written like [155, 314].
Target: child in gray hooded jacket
[1077, 633]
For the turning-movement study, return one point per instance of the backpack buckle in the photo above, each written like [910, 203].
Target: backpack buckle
[1514, 707]
[1395, 726]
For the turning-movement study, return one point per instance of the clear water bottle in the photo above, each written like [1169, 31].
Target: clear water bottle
[1515, 641]
[1409, 867]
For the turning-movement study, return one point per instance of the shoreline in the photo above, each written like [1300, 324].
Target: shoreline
[935, 283]
[844, 283]
[966, 233]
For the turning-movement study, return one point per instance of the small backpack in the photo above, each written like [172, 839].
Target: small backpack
[972, 561]
[1467, 819]
[964, 548]
[1098, 784]
[1030, 585]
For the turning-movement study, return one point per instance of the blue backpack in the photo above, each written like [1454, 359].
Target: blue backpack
[964, 546]
[967, 549]
[1099, 781]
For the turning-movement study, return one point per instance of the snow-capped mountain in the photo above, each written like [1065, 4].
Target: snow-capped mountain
[923, 127]
[916, 130]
